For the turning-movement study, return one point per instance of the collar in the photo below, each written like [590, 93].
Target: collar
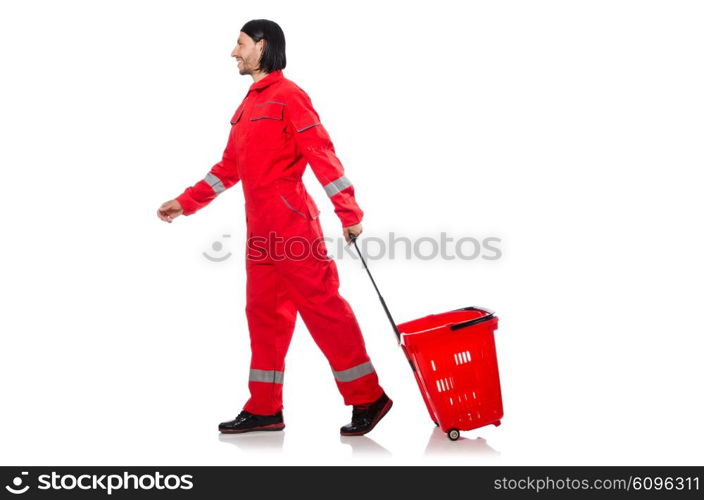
[272, 77]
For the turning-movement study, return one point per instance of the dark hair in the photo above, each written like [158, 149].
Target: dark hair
[274, 54]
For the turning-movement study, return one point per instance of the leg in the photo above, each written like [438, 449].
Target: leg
[271, 315]
[313, 284]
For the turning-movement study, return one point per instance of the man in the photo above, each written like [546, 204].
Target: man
[275, 133]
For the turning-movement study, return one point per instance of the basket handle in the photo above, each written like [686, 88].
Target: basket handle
[489, 316]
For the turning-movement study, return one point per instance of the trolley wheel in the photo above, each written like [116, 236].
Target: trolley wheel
[453, 434]
[497, 423]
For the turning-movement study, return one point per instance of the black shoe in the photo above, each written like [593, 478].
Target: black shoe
[247, 422]
[366, 416]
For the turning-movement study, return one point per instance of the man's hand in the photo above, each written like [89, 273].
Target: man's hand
[169, 210]
[355, 230]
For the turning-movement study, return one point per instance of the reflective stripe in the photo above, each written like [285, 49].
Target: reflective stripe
[266, 376]
[354, 373]
[306, 128]
[214, 183]
[337, 185]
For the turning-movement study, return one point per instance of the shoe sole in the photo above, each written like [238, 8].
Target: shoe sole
[383, 412]
[272, 427]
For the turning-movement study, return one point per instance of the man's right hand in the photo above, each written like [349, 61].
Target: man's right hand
[169, 210]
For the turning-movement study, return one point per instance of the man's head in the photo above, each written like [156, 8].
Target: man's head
[261, 47]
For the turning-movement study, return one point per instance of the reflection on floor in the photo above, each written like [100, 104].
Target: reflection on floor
[362, 445]
[255, 441]
[440, 444]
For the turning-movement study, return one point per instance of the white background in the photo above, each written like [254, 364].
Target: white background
[570, 130]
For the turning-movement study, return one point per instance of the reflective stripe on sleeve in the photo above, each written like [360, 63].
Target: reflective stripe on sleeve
[271, 376]
[214, 183]
[337, 185]
[354, 373]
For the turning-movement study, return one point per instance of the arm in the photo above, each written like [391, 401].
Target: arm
[223, 175]
[316, 146]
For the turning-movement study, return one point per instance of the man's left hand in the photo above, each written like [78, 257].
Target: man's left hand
[355, 230]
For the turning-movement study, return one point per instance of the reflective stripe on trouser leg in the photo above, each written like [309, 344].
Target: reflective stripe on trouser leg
[266, 376]
[271, 316]
[358, 384]
[354, 373]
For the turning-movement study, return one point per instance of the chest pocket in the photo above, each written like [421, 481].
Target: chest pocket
[266, 125]
[236, 117]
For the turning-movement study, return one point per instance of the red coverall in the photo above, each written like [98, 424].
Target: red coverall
[275, 133]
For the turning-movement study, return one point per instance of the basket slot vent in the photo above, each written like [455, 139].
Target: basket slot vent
[462, 357]
[444, 384]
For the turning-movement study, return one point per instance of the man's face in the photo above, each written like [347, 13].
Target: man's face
[247, 53]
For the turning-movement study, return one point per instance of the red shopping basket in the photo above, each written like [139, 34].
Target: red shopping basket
[454, 361]
[453, 357]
